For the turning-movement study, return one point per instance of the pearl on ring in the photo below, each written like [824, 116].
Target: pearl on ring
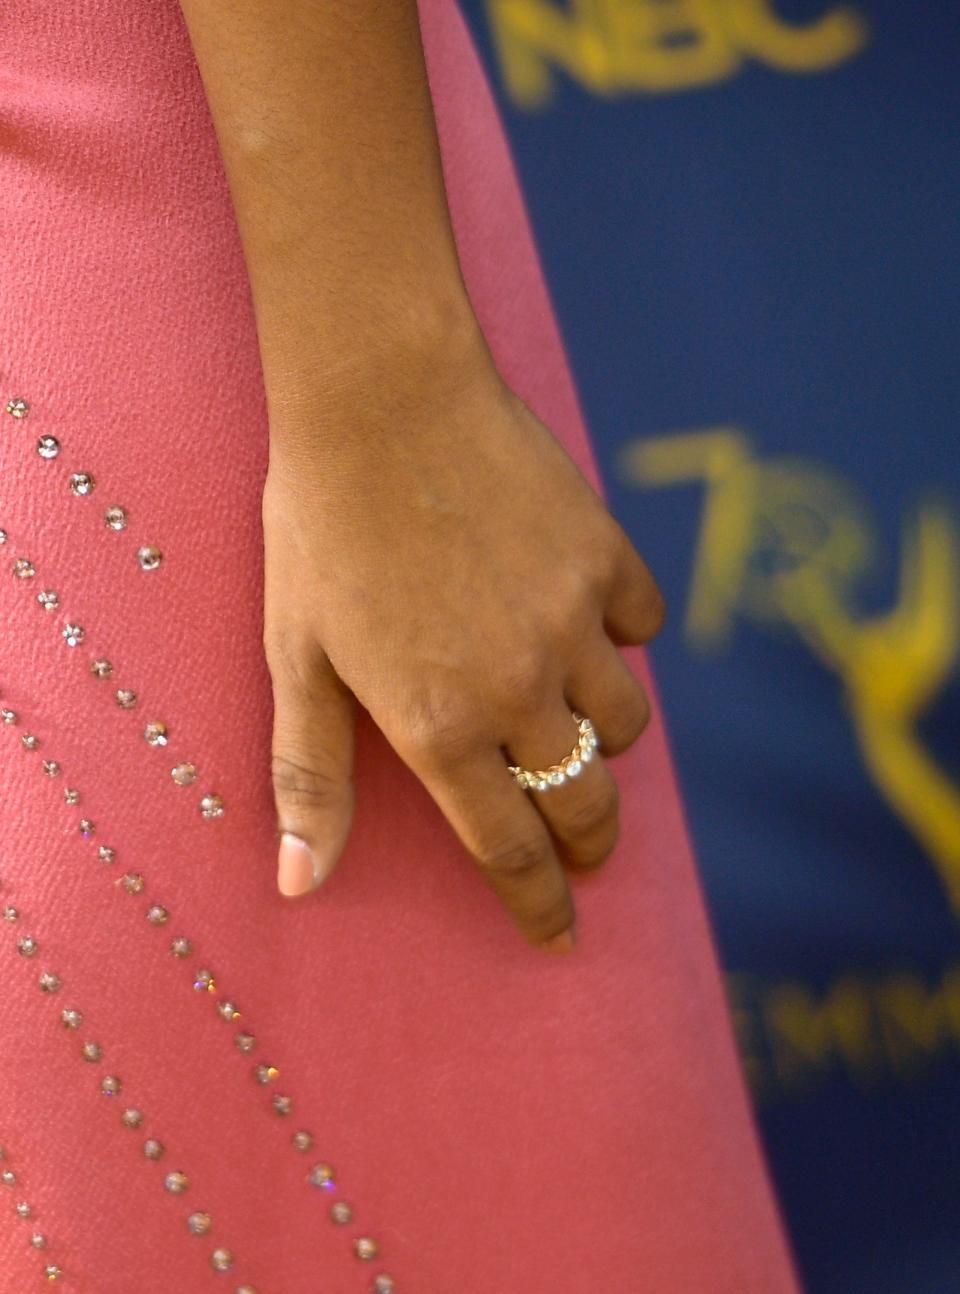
[541, 779]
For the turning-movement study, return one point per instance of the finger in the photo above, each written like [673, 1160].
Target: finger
[582, 811]
[312, 765]
[601, 685]
[506, 837]
[635, 609]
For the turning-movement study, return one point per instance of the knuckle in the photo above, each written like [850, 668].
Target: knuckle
[529, 678]
[302, 786]
[643, 713]
[437, 731]
[630, 723]
[657, 609]
[291, 658]
[593, 808]
[577, 591]
[517, 858]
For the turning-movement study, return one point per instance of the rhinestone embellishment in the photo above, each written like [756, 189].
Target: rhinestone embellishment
[184, 774]
[82, 483]
[149, 557]
[176, 1183]
[110, 1085]
[155, 734]
[48, 447]
[211, 806]
[321, 1175]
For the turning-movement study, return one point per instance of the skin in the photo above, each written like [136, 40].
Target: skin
[410, 566]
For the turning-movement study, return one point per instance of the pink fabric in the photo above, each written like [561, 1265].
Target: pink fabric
[502, 1121]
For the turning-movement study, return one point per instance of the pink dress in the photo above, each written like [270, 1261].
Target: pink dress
[203, 1085]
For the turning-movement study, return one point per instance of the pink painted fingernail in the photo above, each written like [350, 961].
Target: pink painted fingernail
[295, 870]
[562, 943]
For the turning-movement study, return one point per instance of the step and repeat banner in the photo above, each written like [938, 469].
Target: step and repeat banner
[748, 213]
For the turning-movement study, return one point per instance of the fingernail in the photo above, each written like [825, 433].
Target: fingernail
[296, 874]
[562, 943]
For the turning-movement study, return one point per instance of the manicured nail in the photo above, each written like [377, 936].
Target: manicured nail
[295, 870]
[562, 943]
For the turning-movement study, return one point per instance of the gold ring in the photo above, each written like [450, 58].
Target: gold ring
[541, 779]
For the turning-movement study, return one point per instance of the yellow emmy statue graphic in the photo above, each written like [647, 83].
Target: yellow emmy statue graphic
[785, 542]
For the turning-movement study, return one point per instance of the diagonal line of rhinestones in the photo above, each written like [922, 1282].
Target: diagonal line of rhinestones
[83, 484]
[156, 732]
[111, 1086]
[320, 1175]
[26, 1210]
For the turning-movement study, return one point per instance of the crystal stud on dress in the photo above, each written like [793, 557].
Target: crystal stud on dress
[221, 1260]
[211, 806]
[184, 774]
[149, 557]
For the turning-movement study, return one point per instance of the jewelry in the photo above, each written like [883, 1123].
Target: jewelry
[541, 779]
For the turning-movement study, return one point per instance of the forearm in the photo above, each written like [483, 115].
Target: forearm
[325, 123]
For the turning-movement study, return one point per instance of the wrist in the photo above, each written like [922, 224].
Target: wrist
[425, 340]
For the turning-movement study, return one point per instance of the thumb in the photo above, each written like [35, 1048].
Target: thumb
[312, 768]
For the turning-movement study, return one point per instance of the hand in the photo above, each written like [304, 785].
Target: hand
[433, 552]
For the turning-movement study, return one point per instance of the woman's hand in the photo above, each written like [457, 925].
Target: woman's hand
[434, 552]
[431, 549]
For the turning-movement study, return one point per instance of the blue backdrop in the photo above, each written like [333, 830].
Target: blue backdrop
[747, 211]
